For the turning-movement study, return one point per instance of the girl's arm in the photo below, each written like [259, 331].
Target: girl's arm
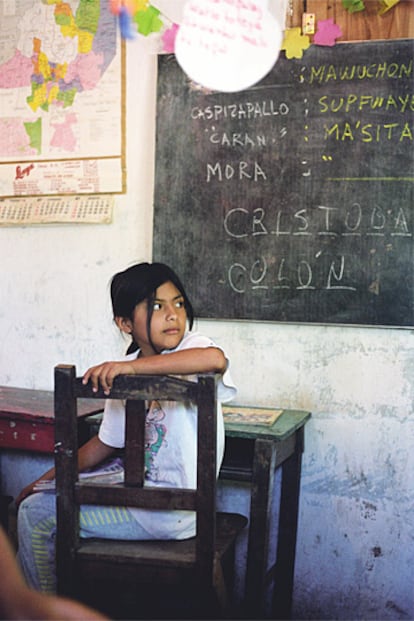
[91, 453]
[185, 362]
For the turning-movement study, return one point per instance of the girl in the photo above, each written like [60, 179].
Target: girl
[149, 304]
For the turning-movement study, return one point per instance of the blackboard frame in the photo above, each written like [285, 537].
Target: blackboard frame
[299, 207]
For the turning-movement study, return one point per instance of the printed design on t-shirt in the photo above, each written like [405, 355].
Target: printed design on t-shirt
[155, 432]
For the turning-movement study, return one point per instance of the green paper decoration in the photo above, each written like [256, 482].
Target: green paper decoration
[147, 21]
[353, 6]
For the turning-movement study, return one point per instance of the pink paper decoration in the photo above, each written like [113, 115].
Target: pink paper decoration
[327, 33]
[168, 39]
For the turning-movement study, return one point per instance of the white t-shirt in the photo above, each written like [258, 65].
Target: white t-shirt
[171, 433]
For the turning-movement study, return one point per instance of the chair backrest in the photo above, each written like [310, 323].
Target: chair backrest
[136, 390]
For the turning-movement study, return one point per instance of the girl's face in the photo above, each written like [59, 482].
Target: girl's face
[168, 322]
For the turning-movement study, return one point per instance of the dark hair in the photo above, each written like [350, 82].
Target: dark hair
[138, 283]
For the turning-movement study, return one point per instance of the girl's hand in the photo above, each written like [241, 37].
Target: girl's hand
[105, 373]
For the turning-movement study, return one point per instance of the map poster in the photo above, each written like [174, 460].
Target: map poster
[61, 99]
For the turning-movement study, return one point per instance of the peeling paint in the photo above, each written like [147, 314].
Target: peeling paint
[376, 550]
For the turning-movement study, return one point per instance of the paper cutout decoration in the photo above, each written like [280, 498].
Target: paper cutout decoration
[295, 43]
[386, 5]
[227, 45]
[125, 24]
[124, 9]
[353, 5]
[136, 15]
[147, 20]
[327, 33]
[130, 6]
[168, 39]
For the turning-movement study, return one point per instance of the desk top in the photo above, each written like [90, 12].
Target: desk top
[30, 404]
[287, 423]
[27, 420]
[27, 404]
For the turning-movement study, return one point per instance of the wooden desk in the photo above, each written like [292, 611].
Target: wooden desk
[27, 419]
[253, 454]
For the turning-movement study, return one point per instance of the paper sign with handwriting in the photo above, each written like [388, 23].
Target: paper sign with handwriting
[227, 45]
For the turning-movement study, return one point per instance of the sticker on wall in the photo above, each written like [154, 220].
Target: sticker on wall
[227, 45]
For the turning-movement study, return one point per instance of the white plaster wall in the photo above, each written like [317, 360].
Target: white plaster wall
[355, 548]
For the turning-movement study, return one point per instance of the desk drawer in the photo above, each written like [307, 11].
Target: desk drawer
[25, 435]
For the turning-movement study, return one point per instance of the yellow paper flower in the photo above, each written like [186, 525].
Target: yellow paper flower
[295, 43]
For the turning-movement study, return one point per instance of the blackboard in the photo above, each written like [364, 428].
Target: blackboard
[292, 200]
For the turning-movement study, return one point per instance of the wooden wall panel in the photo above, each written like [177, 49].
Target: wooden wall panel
[397, 23]
[294, 14]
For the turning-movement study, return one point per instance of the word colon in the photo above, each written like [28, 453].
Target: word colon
[282, 274]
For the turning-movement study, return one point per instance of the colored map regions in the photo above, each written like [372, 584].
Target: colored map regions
[50, 82]
[16, 72]
[59, 83]
[51, 52]
[20, 137]
[34, 132]
[63, 137]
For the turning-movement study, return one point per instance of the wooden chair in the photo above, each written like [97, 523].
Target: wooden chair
[201, 568]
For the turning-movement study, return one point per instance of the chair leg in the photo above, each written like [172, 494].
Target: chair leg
[220, 587]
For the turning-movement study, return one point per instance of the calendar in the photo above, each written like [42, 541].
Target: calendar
[49, 210]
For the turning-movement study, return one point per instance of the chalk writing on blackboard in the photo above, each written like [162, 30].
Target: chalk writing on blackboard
[293, 200]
